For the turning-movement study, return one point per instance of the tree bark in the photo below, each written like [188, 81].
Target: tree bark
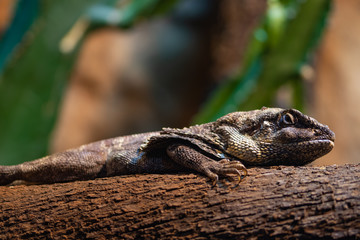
[272, 203]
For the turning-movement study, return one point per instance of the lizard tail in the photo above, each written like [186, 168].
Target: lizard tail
[7, 175]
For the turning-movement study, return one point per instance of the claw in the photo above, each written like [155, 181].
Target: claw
[238, 166]
[241, 176]
[214, 182]
[230, 167]
[245, 171]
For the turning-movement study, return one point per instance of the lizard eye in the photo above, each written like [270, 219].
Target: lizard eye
[288, 119]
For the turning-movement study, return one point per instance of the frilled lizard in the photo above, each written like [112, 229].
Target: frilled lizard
[270, 136]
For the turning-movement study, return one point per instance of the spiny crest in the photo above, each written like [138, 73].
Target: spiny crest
[249, 119]
[199, 135]
[239, 119]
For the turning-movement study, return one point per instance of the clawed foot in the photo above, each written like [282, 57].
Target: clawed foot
[224, 167]
[192, 159]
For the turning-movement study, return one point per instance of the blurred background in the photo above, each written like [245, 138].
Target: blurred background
[73, 72]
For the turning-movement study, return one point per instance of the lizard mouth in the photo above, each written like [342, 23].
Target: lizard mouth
[294, 135]
[317, 142]
[307, 151]
[296, 153]
[315, 146]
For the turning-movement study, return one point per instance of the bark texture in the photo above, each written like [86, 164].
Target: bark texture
[273, 203]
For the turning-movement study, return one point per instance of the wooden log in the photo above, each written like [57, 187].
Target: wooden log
[276, 203]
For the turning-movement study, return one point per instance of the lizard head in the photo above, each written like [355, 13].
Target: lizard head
[272, 136]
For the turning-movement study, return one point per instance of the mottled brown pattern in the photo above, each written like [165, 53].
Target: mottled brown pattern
[269, 136]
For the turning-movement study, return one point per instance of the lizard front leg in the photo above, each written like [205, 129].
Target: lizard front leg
[193, 159]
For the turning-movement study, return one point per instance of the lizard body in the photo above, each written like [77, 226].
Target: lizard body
[270, 136]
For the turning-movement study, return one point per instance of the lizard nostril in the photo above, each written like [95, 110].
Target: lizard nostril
[316, 132]
[325, 132]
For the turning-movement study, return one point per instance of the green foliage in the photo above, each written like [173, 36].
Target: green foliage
[138, 9]
[32, 82]
[278, 49]
[21, 22]
[125, 15]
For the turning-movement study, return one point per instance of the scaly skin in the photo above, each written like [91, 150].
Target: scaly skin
[270, 136]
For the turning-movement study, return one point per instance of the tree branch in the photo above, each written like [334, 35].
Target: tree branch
[278, 202]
